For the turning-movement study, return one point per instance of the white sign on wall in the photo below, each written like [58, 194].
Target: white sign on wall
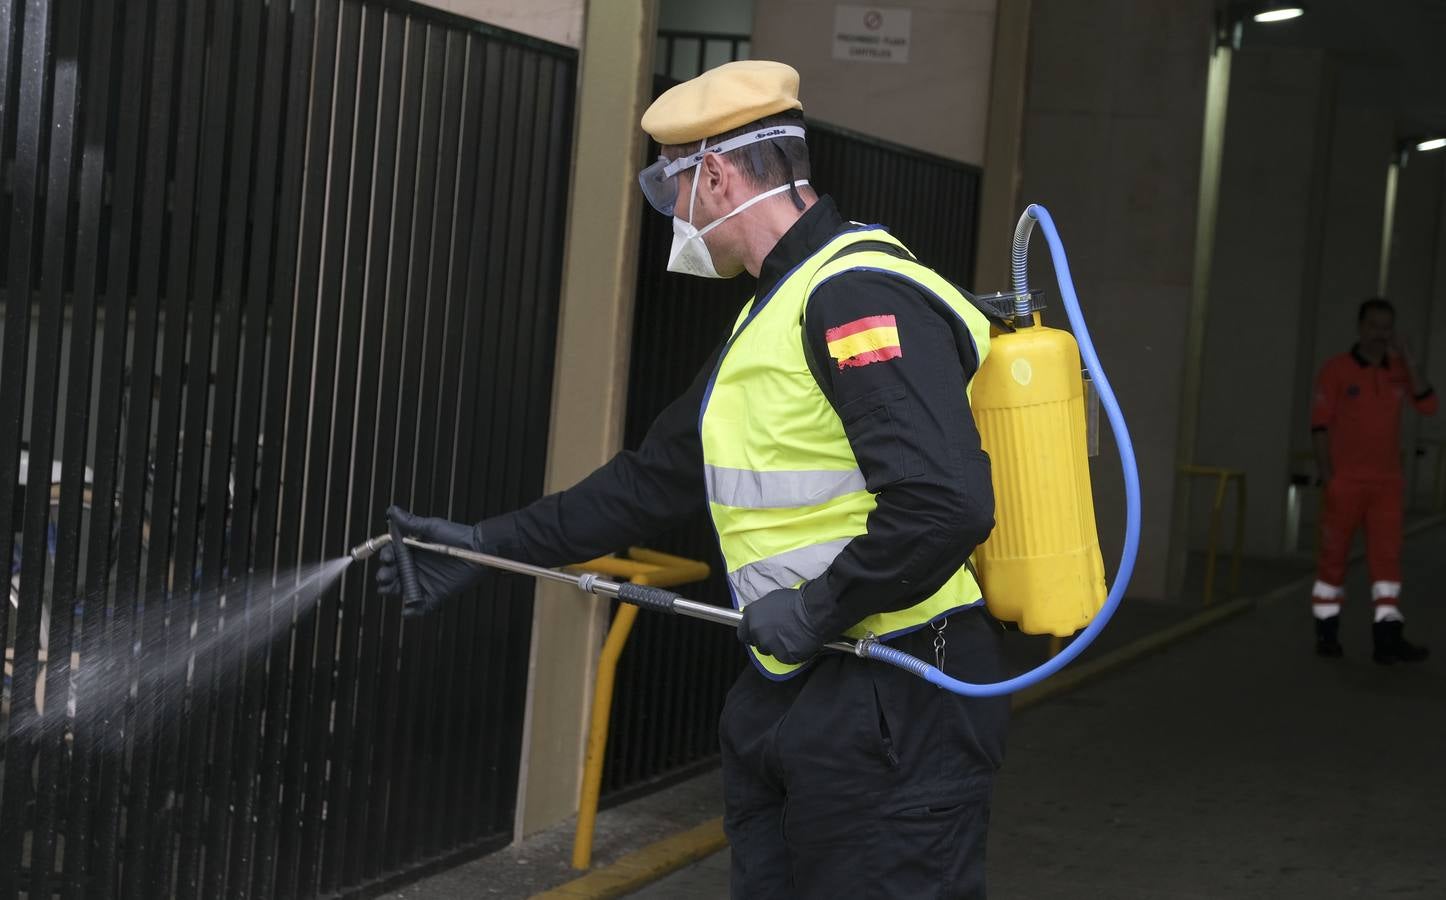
[871, 34]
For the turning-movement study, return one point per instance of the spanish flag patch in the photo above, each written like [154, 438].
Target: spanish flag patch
[863, 341]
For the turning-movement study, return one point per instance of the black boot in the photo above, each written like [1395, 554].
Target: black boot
[1391, 647]
[1327, 642]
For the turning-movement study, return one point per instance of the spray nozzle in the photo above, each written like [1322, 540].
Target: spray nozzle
[369, 548]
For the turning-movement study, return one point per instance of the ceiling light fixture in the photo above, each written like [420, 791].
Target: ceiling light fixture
[1279, 14]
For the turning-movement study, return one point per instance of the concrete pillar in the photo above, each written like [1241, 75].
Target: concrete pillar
[1114, 120]
[1434, 428]
[999, 201]
[1313, 250]
[1207, 207]
[590, 384]
[1277, 142]
[1363, 141]
[1415, 267]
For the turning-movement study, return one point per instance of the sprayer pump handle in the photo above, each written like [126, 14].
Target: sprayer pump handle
[406, 567]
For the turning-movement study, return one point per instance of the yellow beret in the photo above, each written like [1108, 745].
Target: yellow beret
[722, 99]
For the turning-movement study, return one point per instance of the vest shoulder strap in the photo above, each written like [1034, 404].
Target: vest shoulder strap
[897, 251]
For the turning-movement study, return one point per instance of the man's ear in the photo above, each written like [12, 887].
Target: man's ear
[714, 173]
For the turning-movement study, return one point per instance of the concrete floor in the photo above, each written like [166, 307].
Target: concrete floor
[1235, 764]
[544, 860]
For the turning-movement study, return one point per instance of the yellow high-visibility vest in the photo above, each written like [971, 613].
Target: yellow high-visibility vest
[784, 489]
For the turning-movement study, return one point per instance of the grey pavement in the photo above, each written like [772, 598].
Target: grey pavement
[1235, 764]
[544, 860]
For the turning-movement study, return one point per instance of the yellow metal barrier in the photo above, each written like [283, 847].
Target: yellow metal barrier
[1222, 477]
[640, 567]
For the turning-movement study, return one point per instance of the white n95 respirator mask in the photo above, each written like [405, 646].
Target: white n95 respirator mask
[690, 255]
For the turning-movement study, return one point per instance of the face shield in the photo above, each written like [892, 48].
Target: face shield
[659, 181]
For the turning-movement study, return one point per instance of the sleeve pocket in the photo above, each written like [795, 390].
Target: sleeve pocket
[863, 405]
[872, 423]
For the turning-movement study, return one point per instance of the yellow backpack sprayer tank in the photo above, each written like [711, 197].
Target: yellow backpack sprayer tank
[1041, 567]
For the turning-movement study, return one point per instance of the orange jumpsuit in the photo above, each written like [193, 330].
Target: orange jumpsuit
[1359, 405]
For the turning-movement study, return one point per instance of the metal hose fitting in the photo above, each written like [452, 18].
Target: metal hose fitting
[368, 548]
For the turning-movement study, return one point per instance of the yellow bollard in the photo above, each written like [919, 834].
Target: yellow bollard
[597, 735]
[648, 567]
[1223, 478]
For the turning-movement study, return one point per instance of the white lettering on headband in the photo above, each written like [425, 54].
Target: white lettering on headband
[743, 140]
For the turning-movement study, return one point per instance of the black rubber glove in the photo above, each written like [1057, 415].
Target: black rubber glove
[777, 624]
[438, 576]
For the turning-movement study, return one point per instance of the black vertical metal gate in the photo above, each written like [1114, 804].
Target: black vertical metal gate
[267, 266]
[673, 676]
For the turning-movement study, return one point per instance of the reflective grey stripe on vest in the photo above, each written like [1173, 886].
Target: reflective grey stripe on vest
[784, 570]
[749, 489]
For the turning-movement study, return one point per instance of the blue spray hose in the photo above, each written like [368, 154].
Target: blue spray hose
[882, 653]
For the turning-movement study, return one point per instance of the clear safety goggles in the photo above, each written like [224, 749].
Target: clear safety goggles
[659, 181]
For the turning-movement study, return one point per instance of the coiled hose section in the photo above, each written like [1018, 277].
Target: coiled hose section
[886, 654]
[1020, 265]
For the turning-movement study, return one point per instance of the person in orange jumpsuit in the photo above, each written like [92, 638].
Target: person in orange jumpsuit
[1356, 425]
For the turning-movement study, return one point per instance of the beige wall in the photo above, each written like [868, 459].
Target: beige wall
[559, 21]
[937, 101]
[1113, 127]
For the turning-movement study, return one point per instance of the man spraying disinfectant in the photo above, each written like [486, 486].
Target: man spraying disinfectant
[832, 440]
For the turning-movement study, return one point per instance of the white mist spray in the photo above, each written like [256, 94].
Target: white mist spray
[98, 690]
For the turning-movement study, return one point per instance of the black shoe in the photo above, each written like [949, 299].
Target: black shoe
[1391, 647]
[1326, 641]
